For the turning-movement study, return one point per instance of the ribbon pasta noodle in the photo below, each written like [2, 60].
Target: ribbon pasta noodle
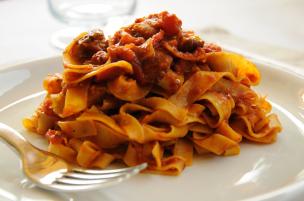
[151, 93]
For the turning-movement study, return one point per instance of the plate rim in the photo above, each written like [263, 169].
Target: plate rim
[258, 60]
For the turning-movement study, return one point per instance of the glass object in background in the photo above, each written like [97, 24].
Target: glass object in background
[82, 15]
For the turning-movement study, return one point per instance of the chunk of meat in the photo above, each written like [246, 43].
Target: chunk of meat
[188, 42]
[155, 67]
[98, 58]
[171, 24]
[146, 27]
[91, 43]
[143, 29]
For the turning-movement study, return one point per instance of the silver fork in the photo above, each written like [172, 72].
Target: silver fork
[51, 172]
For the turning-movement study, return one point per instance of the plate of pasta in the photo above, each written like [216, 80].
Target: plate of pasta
[210, 123]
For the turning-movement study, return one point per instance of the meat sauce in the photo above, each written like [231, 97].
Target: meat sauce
[159, 51]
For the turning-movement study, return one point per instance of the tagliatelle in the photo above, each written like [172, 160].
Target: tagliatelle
[151, 93]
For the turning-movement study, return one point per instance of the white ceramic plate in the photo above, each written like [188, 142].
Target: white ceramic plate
[260, 172]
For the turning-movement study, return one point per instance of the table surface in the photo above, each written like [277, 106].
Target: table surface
[271, 28]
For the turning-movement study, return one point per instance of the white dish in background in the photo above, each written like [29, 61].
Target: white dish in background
[260, 172]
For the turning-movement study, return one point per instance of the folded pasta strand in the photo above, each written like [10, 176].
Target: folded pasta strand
[151, 93]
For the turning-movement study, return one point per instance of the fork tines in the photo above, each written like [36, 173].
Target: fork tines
[84, 178]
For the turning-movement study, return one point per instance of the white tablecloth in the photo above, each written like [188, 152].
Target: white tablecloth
[271, 28]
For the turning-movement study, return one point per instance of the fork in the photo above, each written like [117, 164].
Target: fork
[50, 172]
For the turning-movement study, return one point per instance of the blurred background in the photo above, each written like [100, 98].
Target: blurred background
[269, 28]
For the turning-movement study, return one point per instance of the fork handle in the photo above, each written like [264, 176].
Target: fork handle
[14, 139]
